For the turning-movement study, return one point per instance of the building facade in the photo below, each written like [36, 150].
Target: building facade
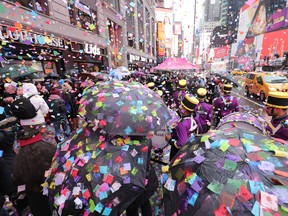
[212, 11]
[64, 36]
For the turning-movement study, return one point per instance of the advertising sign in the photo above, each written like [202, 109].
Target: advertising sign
[161, 39]
[221, 52]
[246, 16]
[274, 43]
[277, 20]
[165, 16]
[259, 21]
[177, 28]
[11, 33]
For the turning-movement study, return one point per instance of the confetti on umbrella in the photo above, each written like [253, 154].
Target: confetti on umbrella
[94, 174]
[230, 172]
[124, 108]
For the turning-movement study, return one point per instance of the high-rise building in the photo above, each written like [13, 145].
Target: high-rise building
[273, 5]
[230, 17]
[212, 11]
[62, 36]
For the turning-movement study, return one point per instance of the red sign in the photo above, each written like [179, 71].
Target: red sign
[275, 42]
[221, 52]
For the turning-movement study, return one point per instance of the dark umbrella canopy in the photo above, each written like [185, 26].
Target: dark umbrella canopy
[95, 175]
[231, 172]
[124, 108]
[84, 76]
[20, 72]
[226, 78]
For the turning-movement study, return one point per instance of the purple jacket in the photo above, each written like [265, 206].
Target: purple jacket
[178, 97]
[280, 131]
[204, 113]
[183, 130]
[225, 105]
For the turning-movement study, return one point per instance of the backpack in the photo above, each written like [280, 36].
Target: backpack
[22, 108]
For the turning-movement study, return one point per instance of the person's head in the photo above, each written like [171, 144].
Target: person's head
[188, 104]
[66, 87]
[38, 86]
[11, 89]
[55, 91]
[151, 85]
[276, 104]
[90, 82]
[227, 88]
[182, 84]
[29, 89]
[19, 91]
[201, 94]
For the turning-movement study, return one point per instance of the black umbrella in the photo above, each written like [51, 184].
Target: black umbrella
[230, 172]
[226, 78]
[124, 108]
[18, 71]
[52, 76]
[92, 173]
[84, 76]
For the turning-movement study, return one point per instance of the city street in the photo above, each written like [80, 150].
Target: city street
[138, 107]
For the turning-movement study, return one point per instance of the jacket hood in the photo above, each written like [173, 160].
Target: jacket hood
[29, 89]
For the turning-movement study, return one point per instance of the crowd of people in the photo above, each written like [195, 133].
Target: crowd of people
[201, 103]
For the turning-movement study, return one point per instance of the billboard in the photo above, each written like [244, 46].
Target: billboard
[277, 20]
[177, 28]
[259, 21]
[161, 39]
[247, 14]
[274, 43]
[221, 52]
[165, 16]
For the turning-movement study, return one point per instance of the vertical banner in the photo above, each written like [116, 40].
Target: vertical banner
[161, 39]
[177, 28]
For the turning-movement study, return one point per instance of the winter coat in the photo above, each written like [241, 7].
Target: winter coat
[57, 110]
[38, 102]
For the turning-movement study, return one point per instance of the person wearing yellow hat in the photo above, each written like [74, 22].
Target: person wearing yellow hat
[151, 85]
[225, 104]
[203, 110]
[276, 106]
[186, 125]
[180, 94]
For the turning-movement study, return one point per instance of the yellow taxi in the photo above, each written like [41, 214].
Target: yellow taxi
[238, 72]
[261, 83]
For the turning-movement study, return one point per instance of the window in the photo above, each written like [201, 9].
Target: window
[115, 32]
[114, 4]
[129, 10]
[153, 36]
[140, 25]
[148, 28]
[259, 80]
[40, 6]
[83, 17]
[49, 67]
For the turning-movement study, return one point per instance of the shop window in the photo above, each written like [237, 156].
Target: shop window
[40, 6]
[85, 67]
[83, 17]
[49, 67]
[114, 4]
